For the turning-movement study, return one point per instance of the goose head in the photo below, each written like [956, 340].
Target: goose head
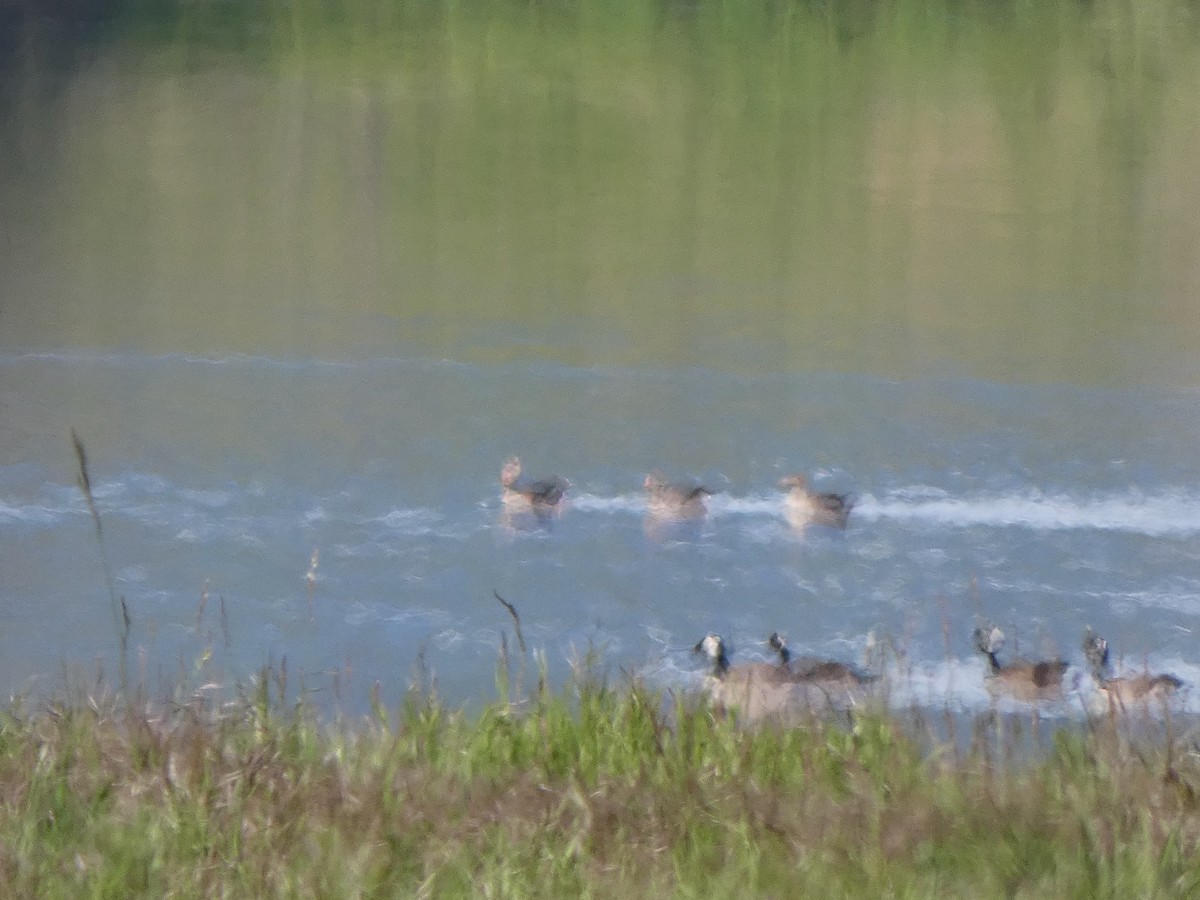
[713, 646]
[794, 482]
[1095, 651]
[777, 643]
[511, 472]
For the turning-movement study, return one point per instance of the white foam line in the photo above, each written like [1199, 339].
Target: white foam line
[1157, 515]
[718, 505]
[1167, 514]
[754, 505]
[622, 503]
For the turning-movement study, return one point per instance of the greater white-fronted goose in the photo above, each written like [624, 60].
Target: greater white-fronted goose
[538, 496]
[674, 500]
[805, 506]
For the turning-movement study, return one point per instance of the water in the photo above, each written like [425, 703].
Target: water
[963, 510]
[310, 303]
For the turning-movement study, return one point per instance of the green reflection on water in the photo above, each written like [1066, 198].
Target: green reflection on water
[1006, 191]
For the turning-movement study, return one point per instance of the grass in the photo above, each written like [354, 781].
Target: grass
[591, 791]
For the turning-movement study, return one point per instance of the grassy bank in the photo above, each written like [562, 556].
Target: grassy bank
[591, 792]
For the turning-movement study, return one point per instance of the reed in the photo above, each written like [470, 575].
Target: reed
[122, 621]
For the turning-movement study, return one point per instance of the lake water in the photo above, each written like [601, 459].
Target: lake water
[302, 287]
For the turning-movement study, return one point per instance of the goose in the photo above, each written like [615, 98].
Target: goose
[539, 496]
[1020, 679]
[805, 506]
[674, 500]
[1127, 690]
[756, 691]
[810, 670]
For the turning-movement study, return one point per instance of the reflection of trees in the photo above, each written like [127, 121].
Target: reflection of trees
[1078, 96]
[41, 44]
[821, 176]
[1021, 56]
[1131, 57]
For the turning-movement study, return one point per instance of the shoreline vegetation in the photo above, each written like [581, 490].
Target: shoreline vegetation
[591, 791]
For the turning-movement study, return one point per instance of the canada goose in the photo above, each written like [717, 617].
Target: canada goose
[755, 690]
[713, 646]
[539, 496]
[1019, 679]
[805, 506]
[1127, 690]
[674, 500]
[817, 670]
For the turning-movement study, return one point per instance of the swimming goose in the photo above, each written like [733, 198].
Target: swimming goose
[536, 495]
[805, 506]
[674, 500]
[806, 669]
[1127, 690]
[755, 690]
[1020, 679]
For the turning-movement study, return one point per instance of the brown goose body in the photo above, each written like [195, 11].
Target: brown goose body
[674, 500]
[1131, 690]
[810, 670]
[538, 496]
[756, 692]
[1020, 679]
[805, 506]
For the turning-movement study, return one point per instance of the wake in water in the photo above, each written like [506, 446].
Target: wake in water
[1163, 514]
[1167, 513]
[151, 498]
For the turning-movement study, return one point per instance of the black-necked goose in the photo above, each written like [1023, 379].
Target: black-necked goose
[755, 690]
[807, 669]
[1127, 690]
[1020, 679]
